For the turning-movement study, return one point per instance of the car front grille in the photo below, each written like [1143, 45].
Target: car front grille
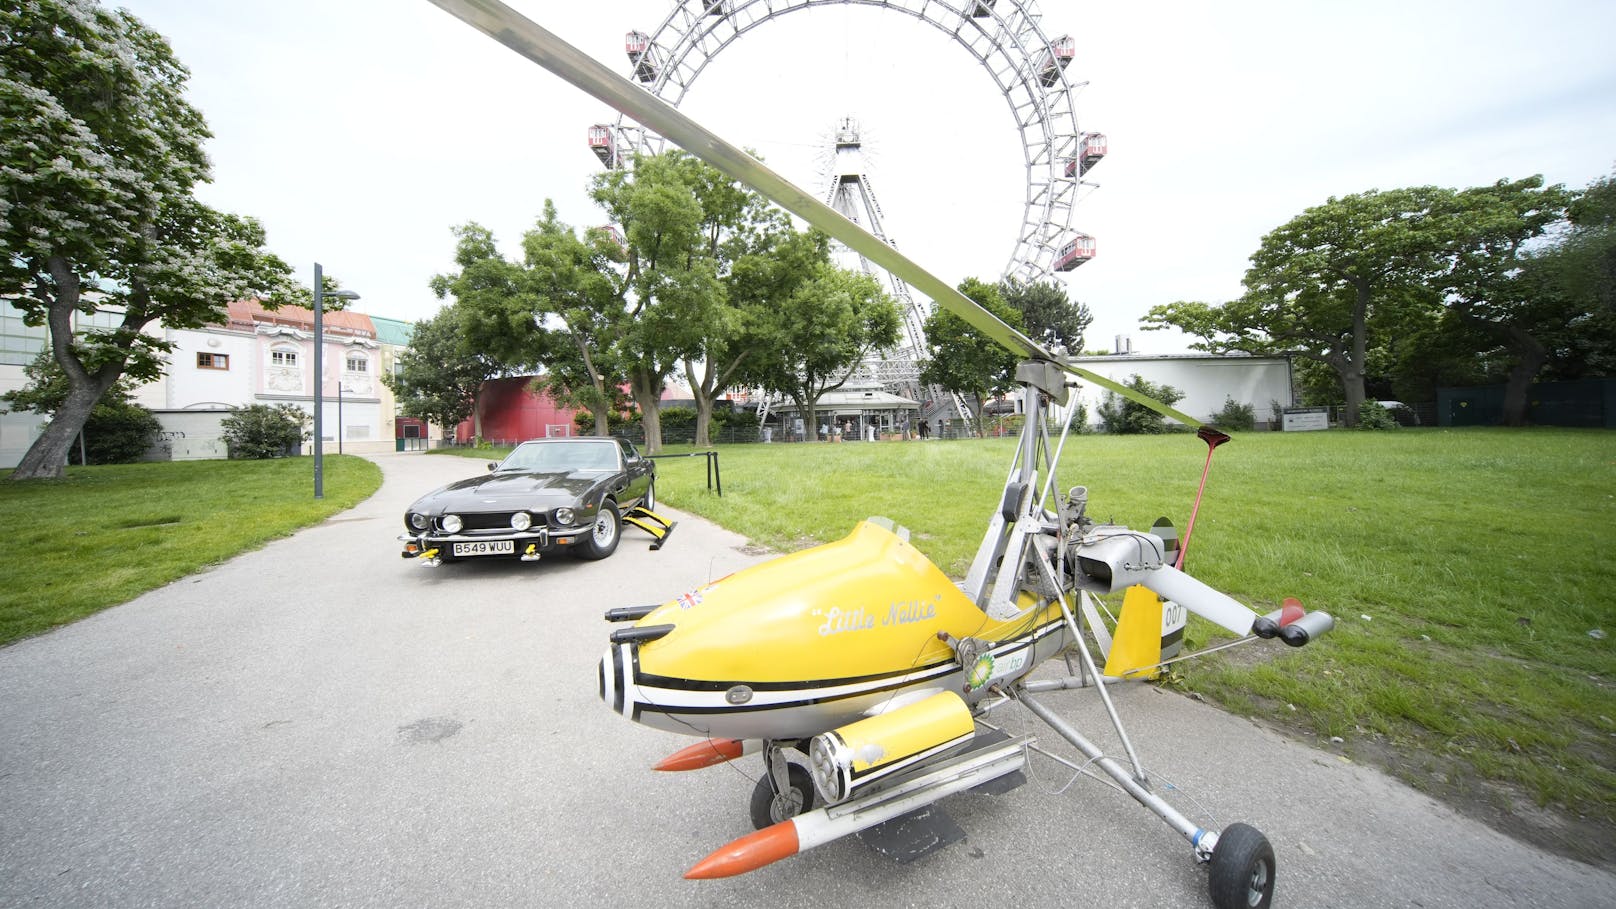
[492, 520]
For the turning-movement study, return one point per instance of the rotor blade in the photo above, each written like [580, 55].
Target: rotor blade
[1137, 397]
[532, 41]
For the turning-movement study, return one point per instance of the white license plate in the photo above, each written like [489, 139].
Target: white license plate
[485, 547]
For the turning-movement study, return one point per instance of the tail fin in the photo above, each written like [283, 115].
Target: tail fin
[1164, 529]
[1139, 636]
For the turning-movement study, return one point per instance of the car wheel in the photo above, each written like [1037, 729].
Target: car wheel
[649, 502]
[603, 534]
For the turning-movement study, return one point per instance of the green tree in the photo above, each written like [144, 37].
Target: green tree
[440, 376]
[1317, 282]
[821, 334]
[98, 162]
[760, 261]
[688, 277]
[1578, 270]
[495, 313]
[669, 287]
[581, 315]
[1484, 283]
[558, 311]
[1048, 315]
[1587, 253]
[961, 359]
[1126, 417]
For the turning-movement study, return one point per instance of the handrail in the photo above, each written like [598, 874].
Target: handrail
[712, 466]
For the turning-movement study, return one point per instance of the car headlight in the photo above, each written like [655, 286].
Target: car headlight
[564, 516]
[521, 520]
[418, 520]
[452, 523]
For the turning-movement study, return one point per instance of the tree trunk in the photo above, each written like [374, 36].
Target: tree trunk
[810, 427]
[706, 392]
[1352, 386]
[647, 391]
[601, 405]
[704, 419]
[47, 457]
[1352, 378]
[1530, 357]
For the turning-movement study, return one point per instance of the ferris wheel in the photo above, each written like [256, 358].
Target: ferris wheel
[1004, 36]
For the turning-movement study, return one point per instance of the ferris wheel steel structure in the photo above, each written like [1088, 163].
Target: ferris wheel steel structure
[1004, 36]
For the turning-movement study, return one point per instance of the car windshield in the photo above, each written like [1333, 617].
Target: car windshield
[575, 455]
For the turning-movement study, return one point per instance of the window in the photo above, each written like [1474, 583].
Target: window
[283, 358]
[212, 361]
[358, 364]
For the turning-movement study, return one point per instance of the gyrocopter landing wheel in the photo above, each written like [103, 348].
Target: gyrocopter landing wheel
[769, 807]
[1004, 36]
[1242, 869]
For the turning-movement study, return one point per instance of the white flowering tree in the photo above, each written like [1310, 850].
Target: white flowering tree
[99, 158]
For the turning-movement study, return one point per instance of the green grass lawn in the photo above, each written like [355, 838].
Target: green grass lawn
[1462, 567]
[104, 535]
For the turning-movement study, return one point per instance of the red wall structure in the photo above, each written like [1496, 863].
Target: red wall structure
[514, 413]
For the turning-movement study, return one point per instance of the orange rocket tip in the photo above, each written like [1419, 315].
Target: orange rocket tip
[749, 853]
[1290, 611]
[702, 754]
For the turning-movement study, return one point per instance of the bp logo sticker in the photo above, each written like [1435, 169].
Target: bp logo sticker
[980, 673]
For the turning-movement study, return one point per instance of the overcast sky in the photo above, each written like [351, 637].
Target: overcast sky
[361, 131]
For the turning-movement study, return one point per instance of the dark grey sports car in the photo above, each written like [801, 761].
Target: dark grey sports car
[547, 495]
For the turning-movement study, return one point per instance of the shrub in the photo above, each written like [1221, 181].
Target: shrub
[1125, 417]
[1235, 416]
[117, 432]
[1373, 415]
[678, 417]
[584, 422]
[262, 431]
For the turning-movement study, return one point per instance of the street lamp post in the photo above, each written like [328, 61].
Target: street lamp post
[319, 380]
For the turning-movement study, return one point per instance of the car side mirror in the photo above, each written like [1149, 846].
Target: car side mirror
[493, 464]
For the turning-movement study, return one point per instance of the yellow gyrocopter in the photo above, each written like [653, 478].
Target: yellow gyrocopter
[857, 669]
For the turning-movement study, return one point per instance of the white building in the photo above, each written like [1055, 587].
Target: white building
[1208, 381]
[255, 356]
[260, 356]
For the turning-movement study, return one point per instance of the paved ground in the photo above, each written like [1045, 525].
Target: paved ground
[322, 723]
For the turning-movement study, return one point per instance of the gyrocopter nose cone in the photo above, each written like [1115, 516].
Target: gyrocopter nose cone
[610, 672]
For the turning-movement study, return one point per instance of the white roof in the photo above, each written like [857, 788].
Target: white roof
[864, 399]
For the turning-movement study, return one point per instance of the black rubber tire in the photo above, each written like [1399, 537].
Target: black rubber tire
[1242, 871]
[649, 502]
[593, 546]
[764, 812]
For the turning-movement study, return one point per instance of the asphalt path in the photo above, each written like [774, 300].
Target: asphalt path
[320, 723]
